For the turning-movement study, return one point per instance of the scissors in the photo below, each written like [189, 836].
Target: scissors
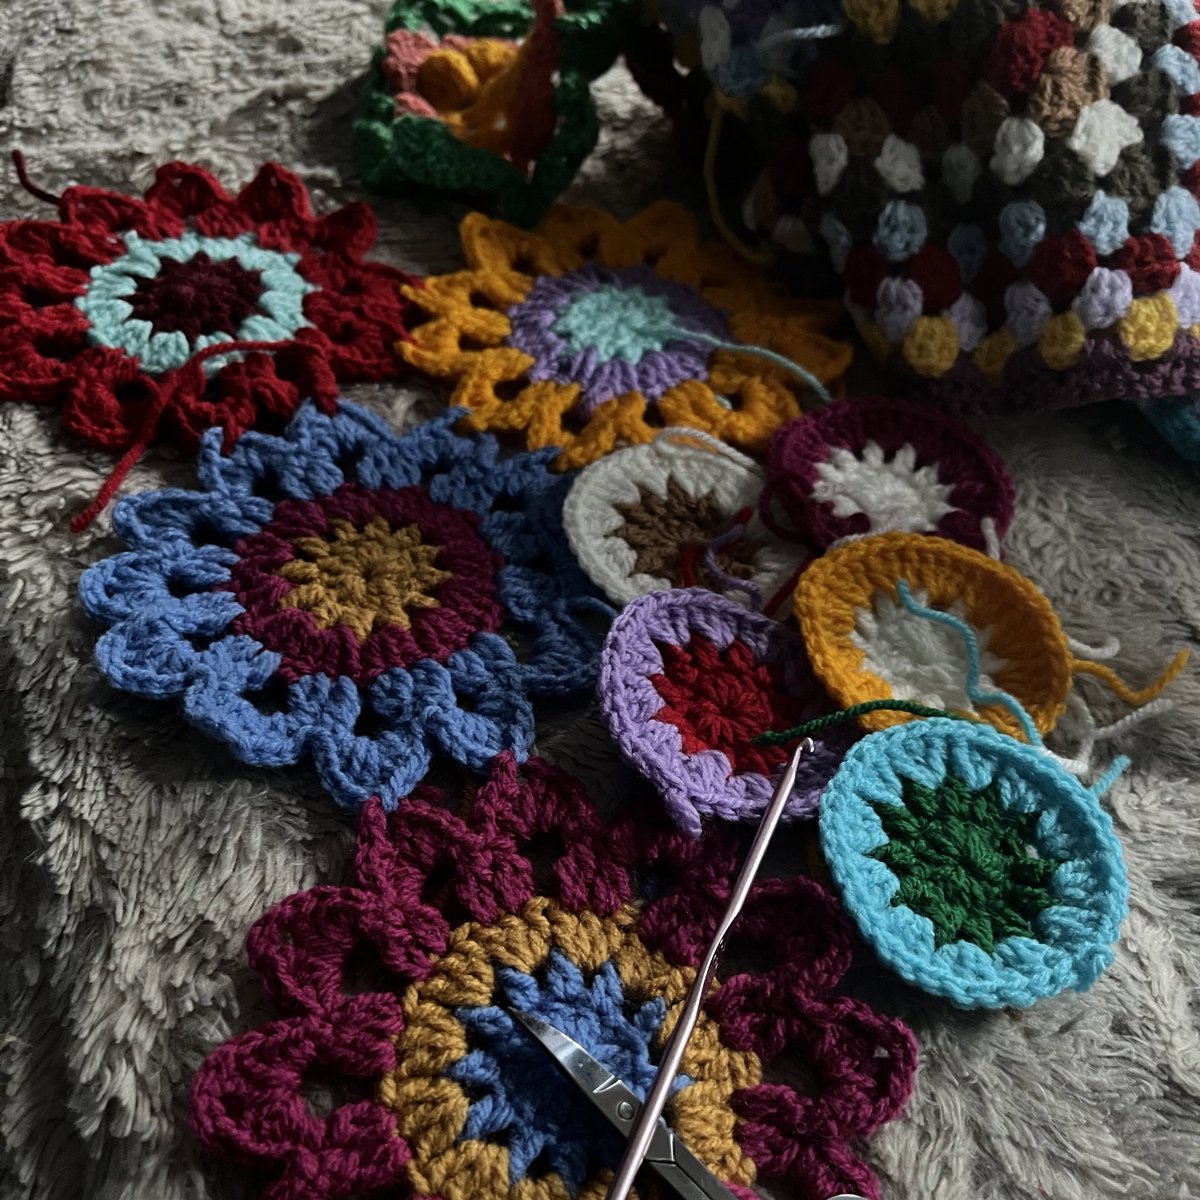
[667, 1156]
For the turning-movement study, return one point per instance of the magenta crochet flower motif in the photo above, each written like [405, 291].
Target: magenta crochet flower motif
[880, 465]
[688, 680]
[394, 1067]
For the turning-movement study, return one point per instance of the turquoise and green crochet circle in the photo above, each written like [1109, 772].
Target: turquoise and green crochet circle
[409, 154]
[976, 867]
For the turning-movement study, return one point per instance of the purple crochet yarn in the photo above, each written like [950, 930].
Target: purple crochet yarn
[678, 664]
[615, 331]
[1103, 368]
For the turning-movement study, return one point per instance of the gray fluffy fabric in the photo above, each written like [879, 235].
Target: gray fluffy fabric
[135, 854]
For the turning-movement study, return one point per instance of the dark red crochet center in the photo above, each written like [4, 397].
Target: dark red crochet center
[721, 699]
[197, 297]
[466, 602]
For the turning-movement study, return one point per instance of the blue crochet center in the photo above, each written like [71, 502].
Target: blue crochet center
[520, 1097]
[619, 322]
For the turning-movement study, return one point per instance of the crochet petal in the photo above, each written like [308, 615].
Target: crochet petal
[148, 655]
[146, 520]
[178, 582]
[116, 214]
[185, 190]
[228, 698]
[496, 715]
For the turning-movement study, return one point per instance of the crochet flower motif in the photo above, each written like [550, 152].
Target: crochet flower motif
[976, 867]
[351, 596]
[432, 78]
[115, 308]
[393, 993]
[591, 333]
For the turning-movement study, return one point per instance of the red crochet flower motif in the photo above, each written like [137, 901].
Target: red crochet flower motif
[352, 311]
[723, 699]
[422, 873]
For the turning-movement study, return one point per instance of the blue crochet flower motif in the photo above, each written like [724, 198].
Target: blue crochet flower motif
[519, 1094]
[352, 596]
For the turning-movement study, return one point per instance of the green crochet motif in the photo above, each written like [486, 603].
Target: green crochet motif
[420, 156]
[965, 862]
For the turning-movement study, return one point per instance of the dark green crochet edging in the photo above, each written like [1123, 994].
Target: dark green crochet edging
[409, 154]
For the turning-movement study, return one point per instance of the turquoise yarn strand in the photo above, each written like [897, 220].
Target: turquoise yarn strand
[973, 690]
[780, 360]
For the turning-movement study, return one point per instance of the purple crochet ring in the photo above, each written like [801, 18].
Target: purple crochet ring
[687, 680]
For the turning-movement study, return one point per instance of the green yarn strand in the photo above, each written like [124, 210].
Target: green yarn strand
[778, 737]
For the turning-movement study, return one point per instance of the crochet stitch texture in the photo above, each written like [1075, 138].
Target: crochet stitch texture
[114, 307]
[350, 596]
[687, 680]
[976, 867]
[527, 899]
[488, 99]
[591, 333]
[864, 645]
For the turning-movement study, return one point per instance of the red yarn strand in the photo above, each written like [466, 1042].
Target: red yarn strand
[149, 428]
[27, 183]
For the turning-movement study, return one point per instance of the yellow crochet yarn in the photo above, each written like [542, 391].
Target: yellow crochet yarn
[431, 1108]
[1148, 328]
[931, 346]
[591, 333]
[876, 19]
[993, 352]
[1062, 340]
[864, 646]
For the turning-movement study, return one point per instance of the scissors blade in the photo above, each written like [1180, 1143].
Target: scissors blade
[667, 1155]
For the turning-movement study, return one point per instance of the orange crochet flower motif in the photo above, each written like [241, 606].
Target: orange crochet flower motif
[592, 333]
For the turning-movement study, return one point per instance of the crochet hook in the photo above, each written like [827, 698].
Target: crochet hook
[642, 1133]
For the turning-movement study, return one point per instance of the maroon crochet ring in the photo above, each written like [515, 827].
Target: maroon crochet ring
[878, 465]
[687, 680]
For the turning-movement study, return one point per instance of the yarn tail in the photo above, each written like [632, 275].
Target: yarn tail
[23, 178]
[1133, 696]
[149, 427]
[124, 465]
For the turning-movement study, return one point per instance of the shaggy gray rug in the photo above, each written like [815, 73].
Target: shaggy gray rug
[134, 856]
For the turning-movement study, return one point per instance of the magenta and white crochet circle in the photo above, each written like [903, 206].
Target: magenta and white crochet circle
[876, 464]
[687, 679]
[713, 478]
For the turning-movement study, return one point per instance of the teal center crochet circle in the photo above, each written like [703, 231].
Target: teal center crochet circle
[1074, 936]
[618, 322]
[278, 315]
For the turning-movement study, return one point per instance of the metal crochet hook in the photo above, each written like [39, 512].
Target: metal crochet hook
[642, 1133]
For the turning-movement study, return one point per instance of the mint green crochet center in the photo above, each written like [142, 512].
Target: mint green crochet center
[618, 322]
[280, 311]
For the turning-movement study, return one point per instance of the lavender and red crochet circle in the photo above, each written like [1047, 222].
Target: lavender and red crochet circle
[878, 465]
[615, 330]
[352, 597]
[687, 680]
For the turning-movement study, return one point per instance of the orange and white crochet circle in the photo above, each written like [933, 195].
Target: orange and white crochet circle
[865, 645]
